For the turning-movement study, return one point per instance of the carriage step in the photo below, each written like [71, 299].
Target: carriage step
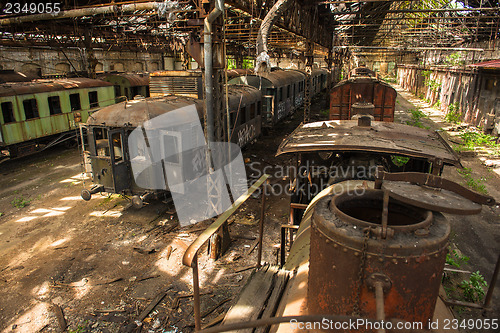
[259, 298]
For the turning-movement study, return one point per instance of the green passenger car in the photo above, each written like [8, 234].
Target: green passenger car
[44, 112]
[128, 85]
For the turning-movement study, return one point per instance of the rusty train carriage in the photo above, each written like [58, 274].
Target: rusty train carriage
[362, 95]
[128, 85]
[282, 93]
[44, 112]
[110, 164]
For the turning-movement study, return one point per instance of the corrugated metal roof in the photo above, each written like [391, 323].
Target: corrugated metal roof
[491, 64]
[381, 137]
[41, 86]
[241, 95]
[135, 80]
[136, 112]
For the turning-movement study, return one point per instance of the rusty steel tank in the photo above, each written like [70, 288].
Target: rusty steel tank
[353, 255]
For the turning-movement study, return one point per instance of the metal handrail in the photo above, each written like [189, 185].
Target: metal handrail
[190, 257]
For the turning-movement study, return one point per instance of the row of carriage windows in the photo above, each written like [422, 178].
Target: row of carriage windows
[238, 118]
[31, 107]
[280, 96]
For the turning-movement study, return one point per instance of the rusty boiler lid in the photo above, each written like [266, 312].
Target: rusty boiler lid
[431, 192]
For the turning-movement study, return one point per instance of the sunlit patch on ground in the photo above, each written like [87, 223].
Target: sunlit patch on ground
[76, 179]
[32, 320]
[59, 242]
[109, 213]
[27, 218]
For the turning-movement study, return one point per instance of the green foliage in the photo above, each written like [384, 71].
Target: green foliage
[454, 258]
[416, 116]
[473, 289]
[434, 85]
[474, 184]
[325, 112]
[79, 329]
[437, 104]
[231, 63]
[20, 202]
[454, 59]
[453, 116]
[426, 74]
[248, 63]
[399, 160]
[473, 139]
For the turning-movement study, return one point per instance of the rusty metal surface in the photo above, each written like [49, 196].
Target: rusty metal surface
[413, 263]
[135, 113]
[362, 71]
[241, 95]
[195, 72]
[431, 198]
[381, 137]
[433, 181]
[273, 79]
[135, 80]
[362, 90]
[366, 211]
[41, 86]
[235, 72]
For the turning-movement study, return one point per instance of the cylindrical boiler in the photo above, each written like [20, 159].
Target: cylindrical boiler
[349, 252]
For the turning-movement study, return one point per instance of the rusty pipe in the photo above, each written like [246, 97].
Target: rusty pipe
[81, 12]
[379, 301]
[208, 63]
[262, 63]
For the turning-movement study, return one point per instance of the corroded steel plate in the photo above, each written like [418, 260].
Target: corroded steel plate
[381, 137]
[431, 198]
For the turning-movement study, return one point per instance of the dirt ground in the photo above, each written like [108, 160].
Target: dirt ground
[101, 262]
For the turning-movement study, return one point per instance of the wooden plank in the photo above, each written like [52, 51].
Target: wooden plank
[253, 297]
[272, 303]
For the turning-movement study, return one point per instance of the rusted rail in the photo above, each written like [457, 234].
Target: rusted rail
[191, 255]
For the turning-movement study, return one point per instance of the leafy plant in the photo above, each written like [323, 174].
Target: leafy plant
[20, 202]
[454, 59]
[453, 116]
[416, 116]
[454, 258]
[325, 112]
[475, 184]
[473, 289]
[474, 138]
[399, 160]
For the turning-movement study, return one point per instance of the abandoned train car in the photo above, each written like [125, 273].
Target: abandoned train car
[128, 85]
[362, 95]
[282, 93]
[45, 112]
[106, 146]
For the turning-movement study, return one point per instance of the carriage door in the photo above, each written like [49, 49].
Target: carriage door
[119, 163]
[171, 148]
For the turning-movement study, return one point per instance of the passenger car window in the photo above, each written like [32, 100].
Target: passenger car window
[30, 108]
[8, 112]
[93, 101]
[54, 105]
[74, 100]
